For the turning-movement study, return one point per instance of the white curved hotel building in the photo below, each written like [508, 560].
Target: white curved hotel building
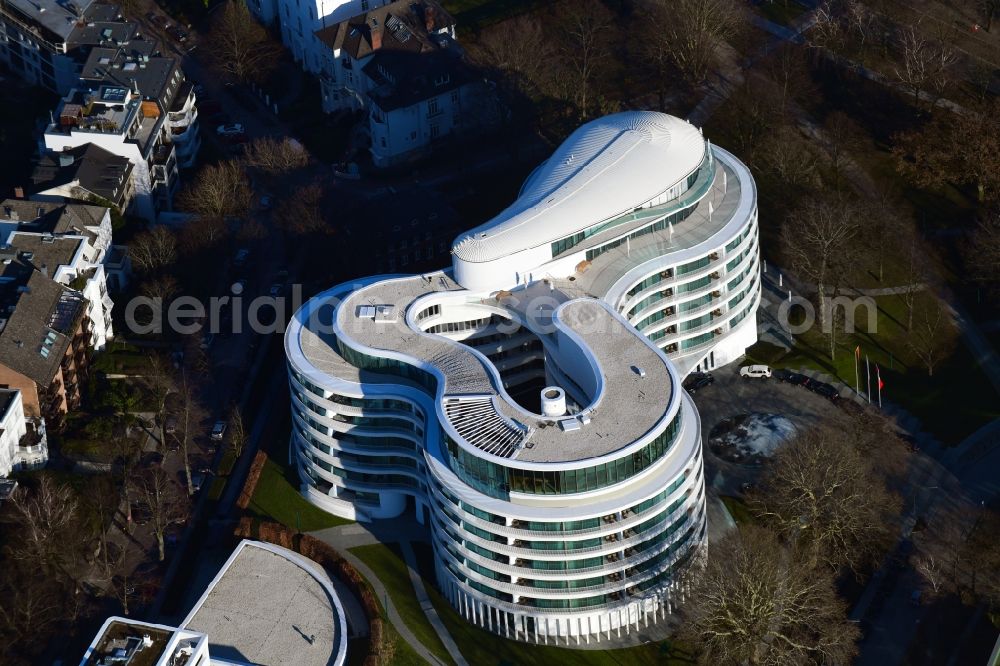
[527, 401]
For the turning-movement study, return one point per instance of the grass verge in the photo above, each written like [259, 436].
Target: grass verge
[952, 404]
[738, 509]
[277, 498]
[388, 564]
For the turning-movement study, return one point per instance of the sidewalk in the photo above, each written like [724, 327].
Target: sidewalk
[427, 606]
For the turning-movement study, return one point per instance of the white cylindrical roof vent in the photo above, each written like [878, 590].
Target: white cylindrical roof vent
[553, 401]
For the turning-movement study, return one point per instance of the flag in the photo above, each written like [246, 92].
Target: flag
[878, 376]
[857, 352]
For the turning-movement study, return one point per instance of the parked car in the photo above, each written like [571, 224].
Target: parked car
[232, 129]
[218, 431]
[197, 481]
[697, 380]
[755, 371]
[794, 378]
[824, 389]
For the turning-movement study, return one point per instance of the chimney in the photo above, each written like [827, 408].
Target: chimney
[429, 18]
[18, 192]
[376, 38]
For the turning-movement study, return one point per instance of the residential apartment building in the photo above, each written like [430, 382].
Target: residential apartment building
[119, 120]
[157, 79]
[520, 403]
[21, 447]
[300, 19]
[44, 339]
[45, 42]
[400, 63]
[84, 173]
[70, 243]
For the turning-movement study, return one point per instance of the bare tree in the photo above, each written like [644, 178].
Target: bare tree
[843, 138]
[955, 148]
[191, 415]
[240, 46]
[790, 158]
[153, 249]
[162, 287]
[217, 191]
[275, 156]
[30, 610]
[237, 431]
[583, 50]
[816, 238]
[926, 65]
[125, 403]
[983, 251]
[932, 571]
[789, 70]
[302, 213]
[886, 222]
[518, 49]
[822, 494]
[48, 526]
[828, 30]
[754, 603]
[166, 505]
[159, 382]
[932, 337]
[693, 31]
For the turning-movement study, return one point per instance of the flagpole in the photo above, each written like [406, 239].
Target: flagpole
[857, 377]
[868, 368]
[878, 378]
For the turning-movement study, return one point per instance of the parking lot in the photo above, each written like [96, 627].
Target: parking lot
[730, 395]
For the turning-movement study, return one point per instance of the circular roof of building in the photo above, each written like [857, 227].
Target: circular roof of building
[605, 168]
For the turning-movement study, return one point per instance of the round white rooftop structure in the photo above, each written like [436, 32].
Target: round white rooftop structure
[605, 168]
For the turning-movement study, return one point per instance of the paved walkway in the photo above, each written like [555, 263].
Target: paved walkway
[427, 606]
[401, 531]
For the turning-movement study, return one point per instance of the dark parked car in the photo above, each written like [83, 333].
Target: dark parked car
[794, 378]
[824, 390]
[697, 380]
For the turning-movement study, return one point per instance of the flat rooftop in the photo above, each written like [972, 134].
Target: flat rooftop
[637, 381]
[265, 608]
[126, 642]
[698, 228]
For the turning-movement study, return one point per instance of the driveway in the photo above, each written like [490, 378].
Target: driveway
[731, 395]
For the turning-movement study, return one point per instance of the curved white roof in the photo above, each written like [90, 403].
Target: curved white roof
[604, 169]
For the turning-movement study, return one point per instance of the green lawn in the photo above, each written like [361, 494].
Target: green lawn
[387, 563]
[738, 509]
[951, 405]
[122, 358]
[485, 649]
[277, 498]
